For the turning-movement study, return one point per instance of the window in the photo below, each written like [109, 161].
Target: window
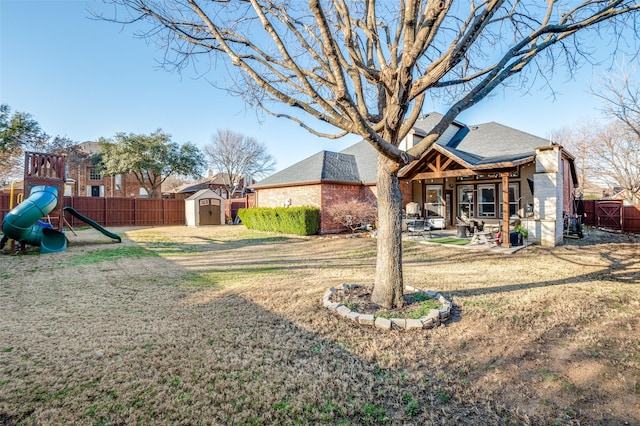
[433, 206]
[514, 199]
[94, 174]
[118, 182]
[487, 200]
[465, 200]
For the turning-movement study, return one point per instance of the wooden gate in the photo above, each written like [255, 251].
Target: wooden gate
[609, 214]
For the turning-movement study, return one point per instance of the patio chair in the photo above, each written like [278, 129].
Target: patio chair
[417, 228]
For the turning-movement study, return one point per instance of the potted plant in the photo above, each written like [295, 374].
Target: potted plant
[522, 230]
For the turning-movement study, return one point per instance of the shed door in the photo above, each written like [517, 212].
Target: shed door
[209, 211]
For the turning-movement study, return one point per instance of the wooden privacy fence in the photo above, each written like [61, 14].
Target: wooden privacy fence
[119, 211]
[232, 205]
[127, 211]
[612, 214]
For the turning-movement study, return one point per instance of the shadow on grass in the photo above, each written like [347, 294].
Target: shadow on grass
[172, 352]
[164, 355]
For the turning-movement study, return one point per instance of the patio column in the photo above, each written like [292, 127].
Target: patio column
[505, 210]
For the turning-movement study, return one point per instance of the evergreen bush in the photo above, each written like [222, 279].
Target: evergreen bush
[303, 220]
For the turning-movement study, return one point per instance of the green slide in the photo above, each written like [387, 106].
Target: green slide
[91, 223]
[20, 224]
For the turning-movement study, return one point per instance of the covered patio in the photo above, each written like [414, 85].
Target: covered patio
[483, 178]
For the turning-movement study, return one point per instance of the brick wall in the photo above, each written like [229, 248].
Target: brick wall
[324, 195]
[406, 188]
[568, 187]
[334, 194]
[304, 195]
[317, 195]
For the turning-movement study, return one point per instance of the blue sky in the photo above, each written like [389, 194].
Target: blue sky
[86, 79]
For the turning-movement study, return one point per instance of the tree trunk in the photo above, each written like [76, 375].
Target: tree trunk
[388, 286]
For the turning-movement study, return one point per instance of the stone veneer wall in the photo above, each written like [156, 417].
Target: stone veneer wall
[548, 201]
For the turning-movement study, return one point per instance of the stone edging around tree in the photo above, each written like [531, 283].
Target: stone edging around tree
[433, 319]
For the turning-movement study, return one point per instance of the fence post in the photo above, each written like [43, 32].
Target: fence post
[164, 212]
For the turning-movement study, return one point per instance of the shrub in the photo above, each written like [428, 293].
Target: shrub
[288, 220]
[521, 229]
[353, 214]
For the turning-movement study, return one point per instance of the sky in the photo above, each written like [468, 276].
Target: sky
[84, 79]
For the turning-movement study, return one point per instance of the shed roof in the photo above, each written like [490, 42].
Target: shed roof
[204, 193]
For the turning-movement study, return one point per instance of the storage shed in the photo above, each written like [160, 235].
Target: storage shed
[205, 207]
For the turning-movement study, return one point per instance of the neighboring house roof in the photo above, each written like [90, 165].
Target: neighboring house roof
[479, 147]
[219, 179]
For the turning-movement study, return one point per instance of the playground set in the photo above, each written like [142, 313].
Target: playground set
[31, 221]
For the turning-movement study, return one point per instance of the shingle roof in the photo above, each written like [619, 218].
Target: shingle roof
[366, 159]
[325, 166]
[479, 145]
[219, 179]
[494, 143]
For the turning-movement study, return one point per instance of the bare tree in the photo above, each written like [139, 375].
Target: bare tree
[616, 160]
[581, 140]
[617, 155]
[239, 158]
[622, 101]
[366, 67]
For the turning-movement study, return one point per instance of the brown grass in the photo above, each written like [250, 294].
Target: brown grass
[220, 325]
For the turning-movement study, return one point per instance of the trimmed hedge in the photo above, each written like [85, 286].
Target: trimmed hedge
[288, 220]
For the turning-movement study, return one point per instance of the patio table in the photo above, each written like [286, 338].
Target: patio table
[481, 237]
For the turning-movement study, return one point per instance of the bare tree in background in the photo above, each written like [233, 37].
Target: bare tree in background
[616, 160]
[607, 156]
[617, 156]
[239, 158]
[366, 67]
[622, 101]
[581, 141]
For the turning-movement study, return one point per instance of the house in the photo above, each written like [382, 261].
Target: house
[85, 180]
[465, 173]
[83, 177]
[218, 183]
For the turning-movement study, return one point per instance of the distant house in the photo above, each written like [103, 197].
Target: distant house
[218, 183]
[462, 174]
[85, 180]
[83, 177]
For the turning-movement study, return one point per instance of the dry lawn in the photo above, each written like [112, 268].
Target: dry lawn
[220, 325]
